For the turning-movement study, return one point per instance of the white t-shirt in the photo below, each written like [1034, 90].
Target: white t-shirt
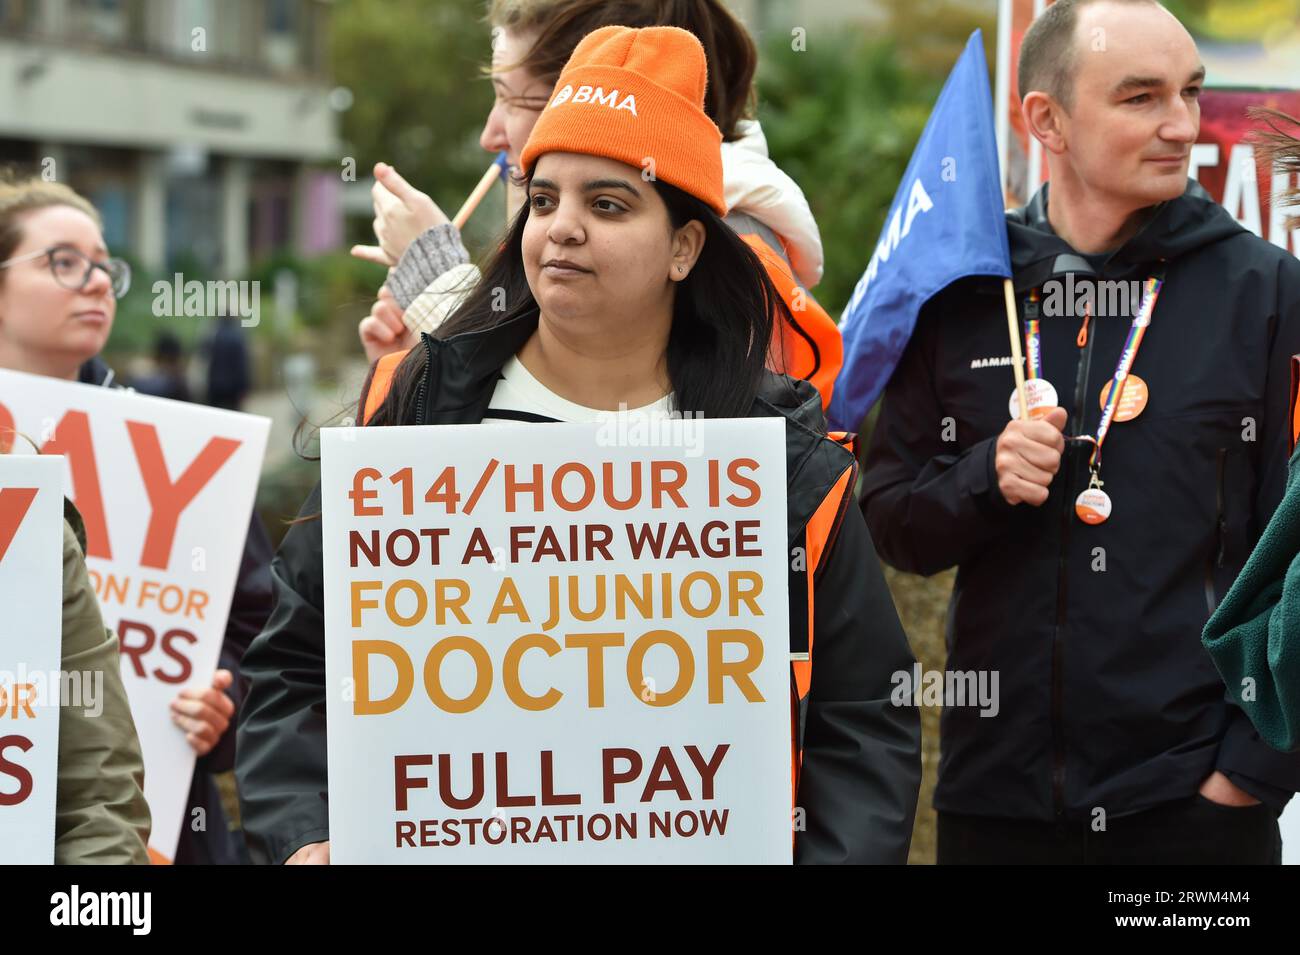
[521, 397]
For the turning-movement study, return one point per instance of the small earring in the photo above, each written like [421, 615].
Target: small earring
[681, 270]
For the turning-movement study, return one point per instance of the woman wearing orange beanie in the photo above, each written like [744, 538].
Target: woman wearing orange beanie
[533, 39]
[622, 290]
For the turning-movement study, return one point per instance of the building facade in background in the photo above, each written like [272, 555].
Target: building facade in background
[205, 131]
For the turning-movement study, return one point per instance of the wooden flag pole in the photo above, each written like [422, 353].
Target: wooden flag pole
[484, 186]
[1017, 359]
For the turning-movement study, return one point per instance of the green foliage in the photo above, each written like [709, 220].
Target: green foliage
[843, 116]
[327, 285]
[135, 326]
[929, 35]
[843, 125]
[419, 98]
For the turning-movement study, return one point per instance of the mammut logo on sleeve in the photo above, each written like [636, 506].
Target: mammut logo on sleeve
[596, 95]
[14, 504]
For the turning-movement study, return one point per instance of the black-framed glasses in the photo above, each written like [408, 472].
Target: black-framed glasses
[72, 269]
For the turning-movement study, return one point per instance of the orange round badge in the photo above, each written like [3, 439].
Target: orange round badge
[1132, 402]
[1093, 505]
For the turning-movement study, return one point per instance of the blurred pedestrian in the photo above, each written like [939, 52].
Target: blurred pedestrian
[229, 372]
[167, 378]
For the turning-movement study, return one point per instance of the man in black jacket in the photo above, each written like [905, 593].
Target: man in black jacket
[1086, 572]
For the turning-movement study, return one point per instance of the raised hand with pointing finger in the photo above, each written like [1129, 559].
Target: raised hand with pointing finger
[402, 214]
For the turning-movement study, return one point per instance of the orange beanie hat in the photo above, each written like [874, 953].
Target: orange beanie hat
[636, 96]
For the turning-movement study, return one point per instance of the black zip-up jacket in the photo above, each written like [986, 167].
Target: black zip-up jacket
[861, 755]
[1108, 699]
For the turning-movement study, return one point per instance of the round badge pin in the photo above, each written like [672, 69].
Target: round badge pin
[1040, 396]
[1092, 506]
[1132, 402]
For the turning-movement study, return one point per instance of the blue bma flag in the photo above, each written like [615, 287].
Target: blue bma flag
[946, 222]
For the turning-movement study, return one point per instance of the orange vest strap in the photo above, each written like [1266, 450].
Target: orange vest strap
[809, 347]
[1295, 403]
[817, 536]
[845, 439]
[380, 383]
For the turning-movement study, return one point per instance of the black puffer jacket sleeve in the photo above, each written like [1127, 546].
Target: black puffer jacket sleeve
[862, 754]
[249, 608]
[281, 756]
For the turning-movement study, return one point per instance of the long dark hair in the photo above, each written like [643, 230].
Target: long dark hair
[723, 315]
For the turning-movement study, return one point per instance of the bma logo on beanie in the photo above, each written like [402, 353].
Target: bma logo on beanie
[594, 94]
[666, 69]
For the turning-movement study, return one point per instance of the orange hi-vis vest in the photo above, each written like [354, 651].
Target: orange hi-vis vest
[1295, 403]
[809, 346]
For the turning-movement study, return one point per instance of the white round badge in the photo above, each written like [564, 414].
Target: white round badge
[1040, 396]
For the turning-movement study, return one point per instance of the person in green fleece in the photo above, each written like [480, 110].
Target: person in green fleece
[1254, 635]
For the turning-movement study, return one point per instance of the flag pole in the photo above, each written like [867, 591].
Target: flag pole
[1002, 88]
[1017, 359]
[490, 176]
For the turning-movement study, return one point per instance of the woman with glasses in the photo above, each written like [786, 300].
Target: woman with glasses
[56, 309]
[58, 296]
[58, 286]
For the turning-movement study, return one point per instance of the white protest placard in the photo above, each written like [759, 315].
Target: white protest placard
[551, 643]
[166, 490]
[31, 643]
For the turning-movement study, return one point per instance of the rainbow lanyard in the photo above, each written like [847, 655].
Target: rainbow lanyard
[1137, 331]
[1033, 350]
